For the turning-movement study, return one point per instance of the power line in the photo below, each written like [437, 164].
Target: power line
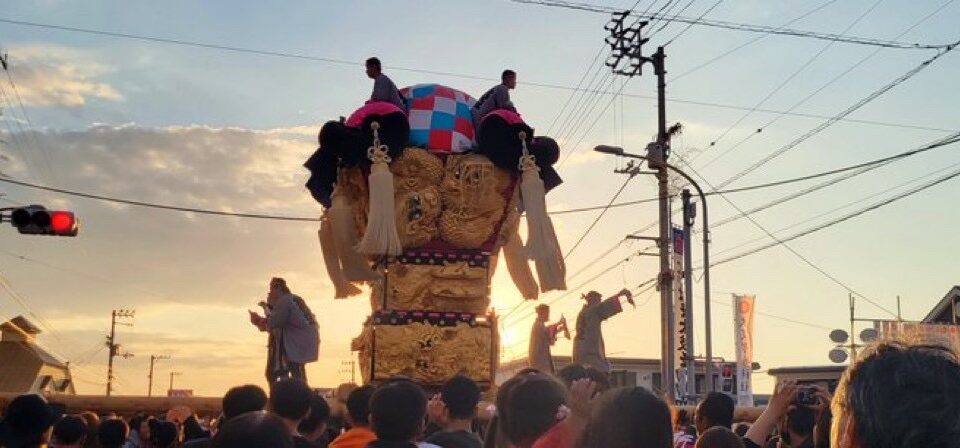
[575, 90]
[592, 125]
[791, 249]
[45, 157]
[745, 44]
[847, 205]
[424, 71]
[833, 222]
[816, 130]
[5, 284]
[954, 138]
[774, 316]
[597, 219]
[158, 206]
[818, 90]
[690, 25]
[415, 70]
[860, 168]
[803, 66]
[681, 11]
[16, 137]
[736, 26]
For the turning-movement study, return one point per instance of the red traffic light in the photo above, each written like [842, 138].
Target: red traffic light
[63, 223]
[727, 371]
[37, 220]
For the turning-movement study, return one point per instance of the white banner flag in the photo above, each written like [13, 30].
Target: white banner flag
[743, 343]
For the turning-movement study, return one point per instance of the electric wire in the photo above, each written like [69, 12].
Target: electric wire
[747, 43]
[414, 70]
[857, 202]
[789, 248]
[823, 87]
[826, 124]
[803, 66]
[846, 217]
[747, 27]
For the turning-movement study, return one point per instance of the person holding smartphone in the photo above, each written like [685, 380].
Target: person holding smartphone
[793, 408]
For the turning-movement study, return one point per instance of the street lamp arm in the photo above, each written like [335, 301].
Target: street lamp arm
[618, 151]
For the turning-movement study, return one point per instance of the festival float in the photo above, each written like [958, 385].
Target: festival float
[420, 204]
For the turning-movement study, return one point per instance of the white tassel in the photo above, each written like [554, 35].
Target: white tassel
[517, 264]
[355, 267]
[331, 260]
[542, 245]
[381, 237]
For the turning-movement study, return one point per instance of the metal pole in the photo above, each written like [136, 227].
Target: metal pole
[689, 212]
[853, 342]
[667, 380]
[112, 351]
[707, 329]
[150, 377]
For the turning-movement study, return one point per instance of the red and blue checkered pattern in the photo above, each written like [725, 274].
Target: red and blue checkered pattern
[440, 118]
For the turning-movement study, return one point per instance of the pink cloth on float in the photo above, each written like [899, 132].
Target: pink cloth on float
[371, 108]
[509, 116]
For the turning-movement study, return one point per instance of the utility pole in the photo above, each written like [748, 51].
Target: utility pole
[112, 346]
[173, 374]
[626, 59]
[153, 358]
[658, 157]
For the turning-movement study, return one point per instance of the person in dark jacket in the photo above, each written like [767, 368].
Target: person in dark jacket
[453, 410]
[26, 422]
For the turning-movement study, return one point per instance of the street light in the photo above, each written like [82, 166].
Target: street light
[656, 160]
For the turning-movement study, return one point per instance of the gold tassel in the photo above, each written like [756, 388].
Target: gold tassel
[342, 287]
[381, 237]
[355, 267]
[542, 245]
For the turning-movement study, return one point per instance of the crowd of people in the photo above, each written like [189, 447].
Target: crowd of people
[895, 395]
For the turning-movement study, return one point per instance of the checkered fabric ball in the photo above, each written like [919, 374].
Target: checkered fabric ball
[440, 118]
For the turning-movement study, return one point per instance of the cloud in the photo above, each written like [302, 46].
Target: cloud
[190, 278]
[49, 75]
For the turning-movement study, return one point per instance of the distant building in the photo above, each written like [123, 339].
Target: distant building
[25, 366]
[946, 311]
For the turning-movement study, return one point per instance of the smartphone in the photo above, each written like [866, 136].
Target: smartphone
[806, 396]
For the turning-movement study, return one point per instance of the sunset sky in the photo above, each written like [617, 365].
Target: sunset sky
[225, 130]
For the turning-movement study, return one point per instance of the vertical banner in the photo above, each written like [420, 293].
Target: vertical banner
[743, 342]
[679, 314]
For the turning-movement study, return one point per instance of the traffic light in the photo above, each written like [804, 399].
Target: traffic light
[727, 371]
[37, 220]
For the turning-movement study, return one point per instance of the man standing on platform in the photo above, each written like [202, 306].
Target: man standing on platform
[294, 338]
[542, 336]
[588, 347]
